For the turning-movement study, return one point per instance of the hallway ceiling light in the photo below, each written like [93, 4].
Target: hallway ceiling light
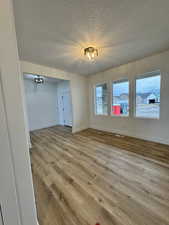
[38, 79]
[91, 53]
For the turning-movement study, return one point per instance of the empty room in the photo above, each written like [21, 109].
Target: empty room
[84, 112]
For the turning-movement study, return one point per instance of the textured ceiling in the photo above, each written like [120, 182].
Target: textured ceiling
[55, 32]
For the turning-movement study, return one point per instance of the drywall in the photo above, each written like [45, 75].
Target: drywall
[79, 91]
[41, 104]
[149, 129]
[15, 118]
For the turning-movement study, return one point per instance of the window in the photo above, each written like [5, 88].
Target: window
[101, 99]
[148, 96]
[120, 98]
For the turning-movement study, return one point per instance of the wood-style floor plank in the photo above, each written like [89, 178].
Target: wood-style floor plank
[79, 179]
[148, 149]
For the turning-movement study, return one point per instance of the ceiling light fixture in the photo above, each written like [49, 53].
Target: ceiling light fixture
[38, 79]
[91, 52]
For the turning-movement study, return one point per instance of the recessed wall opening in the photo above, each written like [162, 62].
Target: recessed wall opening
[48, 102]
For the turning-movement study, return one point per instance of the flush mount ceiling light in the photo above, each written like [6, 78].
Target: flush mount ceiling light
[91, 52]
[38, 79]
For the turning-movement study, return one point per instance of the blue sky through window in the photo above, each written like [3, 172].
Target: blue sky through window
[148, 84]
[144, 85]
[120, 88]
[99, 91]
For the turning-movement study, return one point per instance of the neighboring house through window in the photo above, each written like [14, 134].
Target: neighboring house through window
[120, 98]
[148, 95]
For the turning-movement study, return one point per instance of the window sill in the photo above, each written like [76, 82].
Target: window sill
[125, 116]
[146, 118]
[101, 114]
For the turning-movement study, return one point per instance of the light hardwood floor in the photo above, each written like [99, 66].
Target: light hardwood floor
[79, 180]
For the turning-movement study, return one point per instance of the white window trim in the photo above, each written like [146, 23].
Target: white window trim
[142, 76]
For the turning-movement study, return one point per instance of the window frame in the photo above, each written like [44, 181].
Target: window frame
[95, 104]
[129, 98]
[142, 76]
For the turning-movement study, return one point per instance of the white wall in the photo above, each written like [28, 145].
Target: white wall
[150, 129]
[41, 104]
[79, 91]
[15, 116]
[9, 209]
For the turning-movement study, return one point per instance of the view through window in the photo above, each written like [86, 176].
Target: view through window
[101, 99]
[148, 96]
[120, 104]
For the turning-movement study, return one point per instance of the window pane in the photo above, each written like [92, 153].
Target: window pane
[120, 104]
[148, 97]
[101, 99]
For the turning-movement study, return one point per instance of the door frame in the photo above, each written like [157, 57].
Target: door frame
[8, 197]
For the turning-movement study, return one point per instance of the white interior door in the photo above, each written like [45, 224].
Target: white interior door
[67, 109]
[9, 209]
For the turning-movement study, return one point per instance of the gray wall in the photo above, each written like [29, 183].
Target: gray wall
[41, 104]
[150, 129]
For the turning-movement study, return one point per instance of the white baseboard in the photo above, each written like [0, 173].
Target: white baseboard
[77, 129]
[39, 128]
[154, 139]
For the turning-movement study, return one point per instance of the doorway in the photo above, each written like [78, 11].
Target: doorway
[48, 102]
[64, 103]
[65, 108]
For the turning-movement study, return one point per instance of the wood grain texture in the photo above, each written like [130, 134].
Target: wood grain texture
[148, 149]
[79, 180]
